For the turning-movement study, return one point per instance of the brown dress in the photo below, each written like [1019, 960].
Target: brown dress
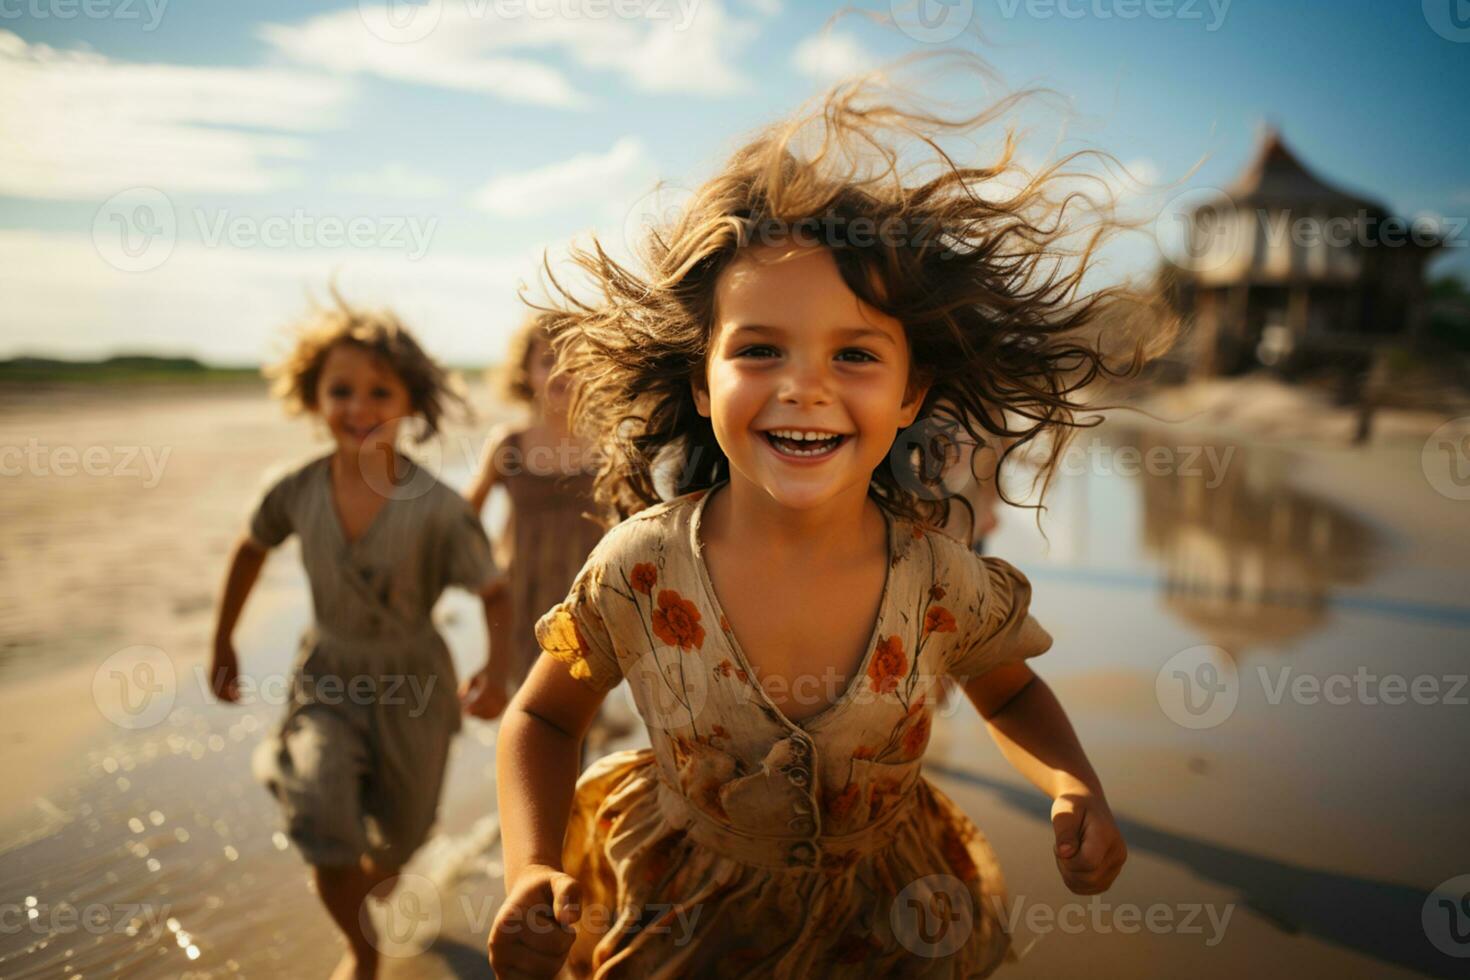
[544, 543]
[742, 844]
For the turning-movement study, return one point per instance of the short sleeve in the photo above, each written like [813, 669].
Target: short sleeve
[468, 562]
[575, 632]
[271, 522]
[1006, 632]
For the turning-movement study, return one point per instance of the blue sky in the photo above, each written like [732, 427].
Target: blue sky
[266, 146]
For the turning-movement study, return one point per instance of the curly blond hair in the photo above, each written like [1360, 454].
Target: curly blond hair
[431, 389]
[982, 264]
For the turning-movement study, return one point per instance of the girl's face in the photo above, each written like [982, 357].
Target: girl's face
[359, 395]
[550, 389]
[806, 385]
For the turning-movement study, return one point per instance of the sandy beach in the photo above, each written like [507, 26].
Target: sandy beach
[1299, 833]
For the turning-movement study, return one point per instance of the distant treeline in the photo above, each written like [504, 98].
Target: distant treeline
[125, 367]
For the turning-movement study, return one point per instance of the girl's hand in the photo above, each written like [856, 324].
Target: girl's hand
[533, 933]
[224, 672]
[1089, 849]
[483, 695]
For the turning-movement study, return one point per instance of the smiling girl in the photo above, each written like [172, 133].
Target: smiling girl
[358, 761]
[808, 338]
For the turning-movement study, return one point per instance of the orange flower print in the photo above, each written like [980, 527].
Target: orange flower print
[917, 532]
[676, 621]
[724, 668]
[916, 737]
[936, 592]
[839, 805]
[863, 752]
[644, 577]
[724, 623]
[889, 665]
[938, 620]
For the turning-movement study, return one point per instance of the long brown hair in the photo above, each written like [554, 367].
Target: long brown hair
[983, 265]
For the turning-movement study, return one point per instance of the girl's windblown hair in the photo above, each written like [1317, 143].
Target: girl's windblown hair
[431, 389]
[983, 265]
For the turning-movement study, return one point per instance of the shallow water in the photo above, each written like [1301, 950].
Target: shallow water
[1168, 596]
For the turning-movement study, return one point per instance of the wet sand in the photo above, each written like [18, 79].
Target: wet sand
[1315, 831]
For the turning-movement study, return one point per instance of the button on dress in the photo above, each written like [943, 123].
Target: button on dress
[358, 760]
[743, 844]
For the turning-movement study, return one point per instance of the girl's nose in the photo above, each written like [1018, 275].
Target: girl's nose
[806, 384]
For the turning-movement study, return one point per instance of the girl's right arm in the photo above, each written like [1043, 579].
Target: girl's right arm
[245, 565]
[537, 760]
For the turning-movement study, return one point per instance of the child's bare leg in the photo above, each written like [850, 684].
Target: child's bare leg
[343, 889]
[382, 877]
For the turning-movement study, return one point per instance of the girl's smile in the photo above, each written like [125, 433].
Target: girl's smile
[805, 385]
[361, 398]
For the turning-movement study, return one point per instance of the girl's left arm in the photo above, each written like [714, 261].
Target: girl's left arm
[1034, 734]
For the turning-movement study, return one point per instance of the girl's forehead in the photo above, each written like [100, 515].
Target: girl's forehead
[351, 359]
[792, 288]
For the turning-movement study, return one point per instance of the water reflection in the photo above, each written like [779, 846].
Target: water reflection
[1247, 558]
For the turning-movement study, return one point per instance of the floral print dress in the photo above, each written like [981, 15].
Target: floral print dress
[743, 844]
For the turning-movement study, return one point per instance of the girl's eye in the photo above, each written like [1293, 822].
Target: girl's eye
[757, 350]
[340, 391]
[381, 393]
[858, 355]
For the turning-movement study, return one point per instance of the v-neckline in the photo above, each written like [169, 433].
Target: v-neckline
[807, 724]
[346, 540]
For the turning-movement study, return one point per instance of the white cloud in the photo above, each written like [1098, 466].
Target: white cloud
[392, 180]
[610, 179]
[829, 56]
[676, 47]
[75, 124]
[231, 305]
